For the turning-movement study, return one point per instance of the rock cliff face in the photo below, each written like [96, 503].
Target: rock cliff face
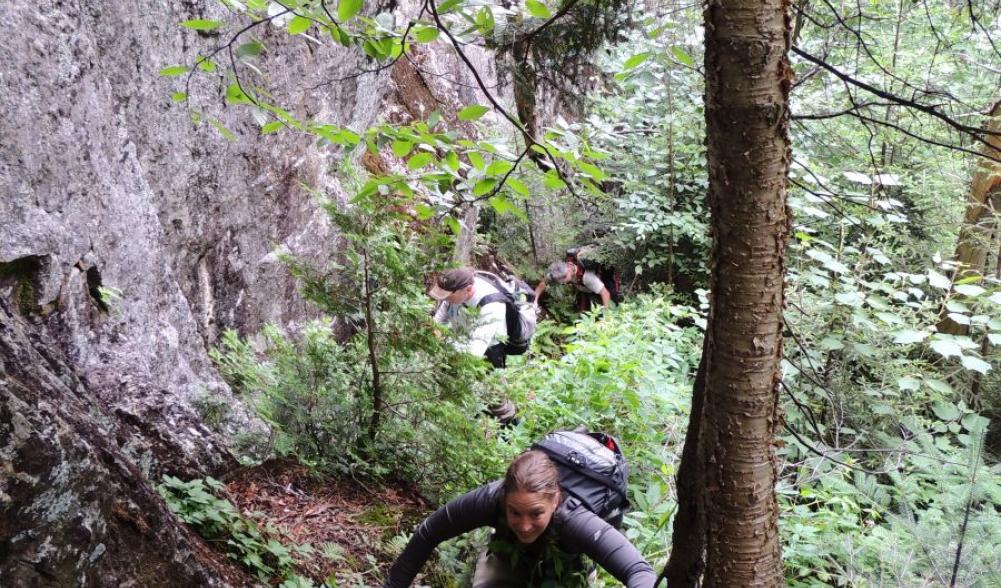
[129, 238]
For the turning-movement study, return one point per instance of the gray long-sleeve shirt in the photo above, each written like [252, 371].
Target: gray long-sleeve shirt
[577, 530]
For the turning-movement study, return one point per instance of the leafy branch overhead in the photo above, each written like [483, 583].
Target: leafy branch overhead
[440, 170]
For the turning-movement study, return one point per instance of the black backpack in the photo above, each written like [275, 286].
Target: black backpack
[592, 469]
[519, 302]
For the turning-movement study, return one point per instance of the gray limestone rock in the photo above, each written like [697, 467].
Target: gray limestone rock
[130, 238]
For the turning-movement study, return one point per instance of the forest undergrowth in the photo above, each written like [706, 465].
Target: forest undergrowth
[628, 372]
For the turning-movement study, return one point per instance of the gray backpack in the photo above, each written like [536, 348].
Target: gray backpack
[519, 300]
[592, 469]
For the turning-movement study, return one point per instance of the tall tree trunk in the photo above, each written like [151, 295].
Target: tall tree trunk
[979, 223]
[688, 539]
[747, 122]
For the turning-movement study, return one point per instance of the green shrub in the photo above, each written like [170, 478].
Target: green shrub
[216, 519]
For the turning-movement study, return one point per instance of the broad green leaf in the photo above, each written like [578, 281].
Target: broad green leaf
[402, 148]
[938, 386]
[453, 224]
[206, 65]
[173, 71]
[234, 95]
[338, 34]
[419, 160]
[975, 423]
[250, 49]
[975, 363]
[447, 6]
[908, 383]
[272, 127]
[499, 167]
[179, 96]
[348, 8]
[476, 159]
[451, 160]
[956, 306]
[959, 319]
[484, 186]
[538, 9]
[553, 181]
[882, 409]
[945, 411]
[971, 290]
[504, 206]
[946, 348]
[298, 25]
[682, 56]
[851, 298]
[485, 21]
[200, 24]
[592, 170]
[830, 344]
[635, 60]
[518, 187]
[938, 280]
[425, 34]
[907, 337]
[472, 112]
[424, 211]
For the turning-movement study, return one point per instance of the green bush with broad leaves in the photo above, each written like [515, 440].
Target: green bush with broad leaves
[381, 391]
[197, 503]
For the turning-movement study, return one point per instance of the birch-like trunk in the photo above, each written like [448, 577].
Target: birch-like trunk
[747, 89]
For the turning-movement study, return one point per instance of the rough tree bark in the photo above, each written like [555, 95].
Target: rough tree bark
[747, 89]
[688, 538]
[979, 222]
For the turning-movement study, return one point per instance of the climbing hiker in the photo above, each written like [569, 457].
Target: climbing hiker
[506, 318]
[542, 527]
[595, 282]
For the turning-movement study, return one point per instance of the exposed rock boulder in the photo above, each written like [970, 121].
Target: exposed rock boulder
[129, 239]
[75, 511]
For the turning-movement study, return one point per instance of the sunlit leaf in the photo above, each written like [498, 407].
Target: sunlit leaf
[946, 348]
[472, 112]
[402, 148]
[907, 337]
[634, 61]
[682, 56]
[298, 25]
[173, 71]
[518, 187]
[538, 9]
[425, 34]
[419, 160]
[970, 290]
[938, 280]
[200, 24]
[975, 363]
[348, 8]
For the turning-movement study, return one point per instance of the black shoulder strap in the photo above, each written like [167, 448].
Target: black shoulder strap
[495, 297]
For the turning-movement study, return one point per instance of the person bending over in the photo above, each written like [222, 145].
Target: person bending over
[539, 534]
[461, 289]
